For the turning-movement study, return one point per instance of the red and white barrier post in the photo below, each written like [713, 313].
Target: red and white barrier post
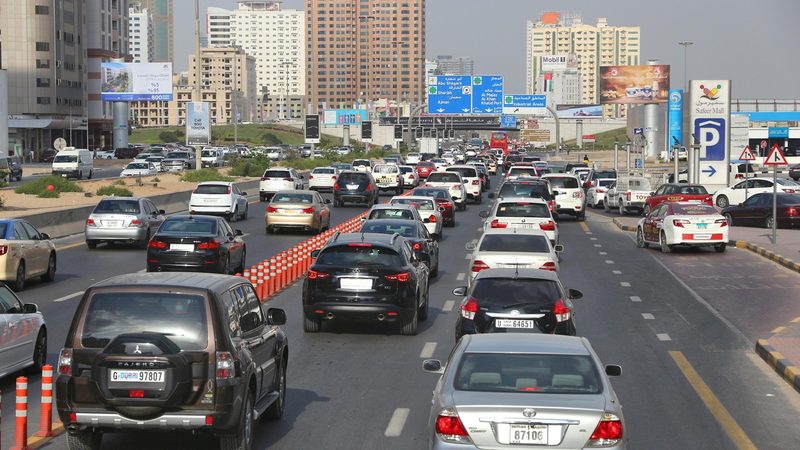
[46, 417]
[21, 410]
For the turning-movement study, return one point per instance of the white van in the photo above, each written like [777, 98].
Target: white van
[212, 157]
[73, 162]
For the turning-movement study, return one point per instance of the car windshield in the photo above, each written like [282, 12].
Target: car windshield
[443, 178]
[564, 182]
[435, 193]
[180, 317]
[466, 172]
[518, 243]
[359, 255]
[536, 373]
[208, 153]
[177, 155]
[422, 205]
[286, 197]
[137, 166]
[406, 230]
[694, 210]
[522, 209]
[389, 213]
[188, 226]
[277, 174]
[116, 207]
[525, 189]
[65, 158]
[214, 189]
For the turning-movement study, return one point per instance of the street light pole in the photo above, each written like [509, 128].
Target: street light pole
[685, 45]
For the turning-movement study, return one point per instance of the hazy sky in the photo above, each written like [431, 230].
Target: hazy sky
[753, 43]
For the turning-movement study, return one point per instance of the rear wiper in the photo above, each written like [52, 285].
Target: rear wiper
[514, 305]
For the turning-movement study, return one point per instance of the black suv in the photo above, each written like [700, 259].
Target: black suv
[355, 187]
[367, 277]
[516, 300]
[167, 352]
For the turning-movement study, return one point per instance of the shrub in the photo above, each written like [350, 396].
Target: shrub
[114, 191]
[39, 185]
[249, 167]
[119, 183]
[48, 194]
[268, 138]
[167, 136]
[199, 176]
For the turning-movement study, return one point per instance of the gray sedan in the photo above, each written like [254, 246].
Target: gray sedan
[123, 219]
[524, 391]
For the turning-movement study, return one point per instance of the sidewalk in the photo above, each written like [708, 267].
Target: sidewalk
[781, 348]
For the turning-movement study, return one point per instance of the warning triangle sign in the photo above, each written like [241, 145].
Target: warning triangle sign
[776, 157]
[747, 155]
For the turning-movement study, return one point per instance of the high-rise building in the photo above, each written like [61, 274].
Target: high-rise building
[43, 51]
[275, 37]
[163, 28]
[593, 45]
[449, 65]
[106, 39]
[140, 33]
[363, 50]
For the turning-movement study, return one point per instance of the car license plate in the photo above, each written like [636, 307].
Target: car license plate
[702, 236]
[209, 200]
[524, 225]
[352, 187]
[702, 226]
[512, 323]
[528, 434]
[112, 223]
[136, 376]
[182, 247]
[355, 284]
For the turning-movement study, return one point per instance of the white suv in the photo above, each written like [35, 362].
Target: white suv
[279, 179]
[219, 198]
[472, 181]
[413, 158]
[570, 198]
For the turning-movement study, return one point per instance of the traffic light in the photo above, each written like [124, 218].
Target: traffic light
[366, 131]
[312, 129]
[398, 132]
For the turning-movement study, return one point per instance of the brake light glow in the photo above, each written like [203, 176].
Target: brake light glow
[158, 245]
[90, 222]
[313, 275]
[680, 222]
[479, 265]
[550, 265]
[628, 195]
[65, 362]
[722, 222]
[497, 224]
[210, 245]
[432, 219]
[561, 311]
[548, 226]
[209, 421]
[401, 277]
[792, 211]
[135, 223]
[308, 210]
[336, 187]
[369, 187]
[450, 429]
[359, 244]
[272, 209]
[417, 246]
[136, 393]
[226, 368]
[469, 309]
[608, 431]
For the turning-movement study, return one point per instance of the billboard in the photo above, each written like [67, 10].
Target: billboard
[634, 84]
[198, 129]
[710, 108]
[579, 111]
[312, 129]
[128, 82]
[550, 63]
[675, 117]
[344, 116]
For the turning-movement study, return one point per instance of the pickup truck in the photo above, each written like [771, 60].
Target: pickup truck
[177, 161]
[388, 178]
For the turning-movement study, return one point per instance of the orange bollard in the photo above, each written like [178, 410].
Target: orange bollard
[46, 416]
[21, 427]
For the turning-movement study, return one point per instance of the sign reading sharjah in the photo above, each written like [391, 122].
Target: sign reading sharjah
[135, 81]
[634, 84]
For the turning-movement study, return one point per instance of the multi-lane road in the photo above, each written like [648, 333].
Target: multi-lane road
[683, 336]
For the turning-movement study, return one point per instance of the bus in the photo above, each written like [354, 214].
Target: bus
[499, 140]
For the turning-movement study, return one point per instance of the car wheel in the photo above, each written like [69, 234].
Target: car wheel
[275, 410]
[581, 217]
[769, 222]
[143, 243]
[729, 218]
[246, 209]
[19, 281]
[243, 439]
[88, 439]
[51, 269]
[242, 261]
[664, 247]
[479, 200]
[270, 230]
[423, 310]
[640, 242]
[311, 325]
[410, 328]
[90, 175]
[720, 248]
[722, 201]
[605, 207]
[262, 198]
[39, 353]
[621, 209]
[232, 216]
[224, 265]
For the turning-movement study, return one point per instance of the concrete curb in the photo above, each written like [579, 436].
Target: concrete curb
[622, 226]
[777, 361]
[783, 261]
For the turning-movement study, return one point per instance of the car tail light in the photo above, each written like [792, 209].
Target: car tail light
[311, 177]
[417, 246]
[272, 209]
[65, 362]
[589, 184]
[209, 421]
[600, 190]
[476, 182]
[136, 393]
[497, 224]
[226, 368]
[551, 205]
[313, 275]
[3, 250]
[336, 187]
[792, 211]
[90, 222]
[608, 431]
[158, 245]
[450, 429]
[479, 265]
[210, 245]
[469, 309]
[401, 277]
[548, 226]
[708, 200]
[680, 222]
[723, 222]
[561, 311]
[432, 219]
[369, 187]
[628, 196]
[135, 223]
[578, 194]
[308, 210]
[333, 177]
[551, 266]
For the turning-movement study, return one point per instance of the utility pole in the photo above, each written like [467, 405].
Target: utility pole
[198, 96]
[685, 45]
[235, 96]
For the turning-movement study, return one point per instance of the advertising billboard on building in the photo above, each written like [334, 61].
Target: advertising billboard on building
[344, 116]
[128, 82]
[634, 84]
[580, 111]
[550, 63]
[198, 123]
[675, 117]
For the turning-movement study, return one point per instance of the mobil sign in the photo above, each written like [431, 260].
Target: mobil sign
[709, 109]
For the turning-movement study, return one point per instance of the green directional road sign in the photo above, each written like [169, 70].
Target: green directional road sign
[477, 81]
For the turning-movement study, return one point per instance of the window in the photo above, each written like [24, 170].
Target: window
[232, 313]
[9, 304]
[42, 46]
[42, 9]
[42, 100]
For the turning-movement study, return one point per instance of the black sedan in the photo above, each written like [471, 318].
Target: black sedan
[756, 211]
[794, 172]
[423, 244]
[196, 243]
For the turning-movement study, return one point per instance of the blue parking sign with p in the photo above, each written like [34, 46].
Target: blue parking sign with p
[710, 132]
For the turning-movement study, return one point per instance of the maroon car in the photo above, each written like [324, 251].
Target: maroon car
[424, 168]
[443, 199]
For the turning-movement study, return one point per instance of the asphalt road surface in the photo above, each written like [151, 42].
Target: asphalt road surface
[690, 376]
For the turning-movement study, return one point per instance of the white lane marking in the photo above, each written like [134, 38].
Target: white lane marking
[397, 422]
[608, 261]
[616, 272]
[624, 284]
[648, 316]
[461, 276]
[588, 232]
[593, 239]
[603, 253]
[448, 305]
[480, 228]
[636, 299]
[468, 256]
[67, 297]
[427, 350]
[663, 337]
[598, 245]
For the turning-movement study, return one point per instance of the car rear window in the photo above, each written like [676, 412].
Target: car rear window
[691, 190]
[213, 189]
[605, 183]
[514, 243]
[502, 292]
[285, 197]
[360, 163]
[426, 164]
[521, 209]
[525, 189]
[422, 205]
[406, 169]
[535, 373]
[405, 230]
[385, 168]
[638, 185]
[116, 207]
[606, 174]
[694, 210]
[188, 226]
[564, 182]
[324, 170]
[523, 172]
[389, 213]
[443, 178]
[277, 174]
[180, 317]
[435, 193]
[466, 172]
[353, 178]
[359, 255]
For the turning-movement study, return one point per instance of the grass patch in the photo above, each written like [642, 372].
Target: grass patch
[114, 191]
[119, 182]
[249, 167]
[252, 134]
[199, 176]
[38, 187]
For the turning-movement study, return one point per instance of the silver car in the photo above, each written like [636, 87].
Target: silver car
[123, 219]
[23, 334]
[524, 391]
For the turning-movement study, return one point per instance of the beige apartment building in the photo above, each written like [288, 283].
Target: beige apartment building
[364, 50]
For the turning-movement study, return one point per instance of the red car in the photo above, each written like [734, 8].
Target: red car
[424, 168]
[442, 196]
[677, 192]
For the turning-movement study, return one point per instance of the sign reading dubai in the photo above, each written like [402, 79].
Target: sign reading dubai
[127, 82]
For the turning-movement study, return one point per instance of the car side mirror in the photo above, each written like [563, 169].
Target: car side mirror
[315, 253]
[470, 246]
[555, 192]
[45, 236]
[432, 366]
[238, 232]
[575, 294]
[276, 316]
[363, 218]
[30, 308]
[652, 193]
[613, 370]
[460, 291]
[244, 193]
[491, 195]
[483, 214]
[327, 201]
[559, 248]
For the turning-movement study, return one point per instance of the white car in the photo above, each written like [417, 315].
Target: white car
[449, 158]
[388, 178]
[472, 181]
[105, 154]
[23, 334]
[26, 253]
[570, 198]
[362, 165]
[428, 209]
[413, 158]
[278, 179]
[142, 157]
[627, 193]
[453, 182]
[683, 223]
[275, 153]
[515, 172]
[322, 178]
[440, 163]
[513, 248]
[156, 161]
[219, 198]
[410, 176]
[596, 195]
[735, 194]
[521, 212]
[138, 169]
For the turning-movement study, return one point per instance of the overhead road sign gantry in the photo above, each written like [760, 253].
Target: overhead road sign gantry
[526, 104]
[450, 94]
[487, 94]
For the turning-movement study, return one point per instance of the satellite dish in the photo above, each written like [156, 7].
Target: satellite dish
[59, 144]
